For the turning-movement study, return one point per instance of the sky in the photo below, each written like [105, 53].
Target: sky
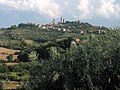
[95, 12]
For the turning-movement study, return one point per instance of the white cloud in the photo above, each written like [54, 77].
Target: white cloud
[101, 8]
[109, 8]
[45, 7]
[82, 9]
[85, 9]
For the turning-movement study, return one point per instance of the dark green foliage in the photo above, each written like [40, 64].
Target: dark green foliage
[29, 25]
[92, 65]
[1, 85]
[10, 58]
[3, 68]
[23, 56]
[43, 53]
[13, 27]
[65, 43]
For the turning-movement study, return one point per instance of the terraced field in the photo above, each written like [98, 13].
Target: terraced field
[4, 53]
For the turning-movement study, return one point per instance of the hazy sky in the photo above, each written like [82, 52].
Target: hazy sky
[96, 12]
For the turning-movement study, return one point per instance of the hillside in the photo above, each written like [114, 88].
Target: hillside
[71, 54]
[18, 37]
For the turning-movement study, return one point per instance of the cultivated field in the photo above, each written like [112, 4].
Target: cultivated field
[4, 53]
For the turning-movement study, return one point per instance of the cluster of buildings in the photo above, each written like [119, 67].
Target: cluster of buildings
[61, 26]
[55, 26]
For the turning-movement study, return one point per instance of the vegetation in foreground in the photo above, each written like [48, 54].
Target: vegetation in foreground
[55, 61]
[90, 65]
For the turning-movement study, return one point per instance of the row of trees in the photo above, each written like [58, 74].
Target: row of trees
[14, 68]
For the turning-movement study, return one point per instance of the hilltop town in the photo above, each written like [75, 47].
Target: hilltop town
[64, 26]
[69, 26]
